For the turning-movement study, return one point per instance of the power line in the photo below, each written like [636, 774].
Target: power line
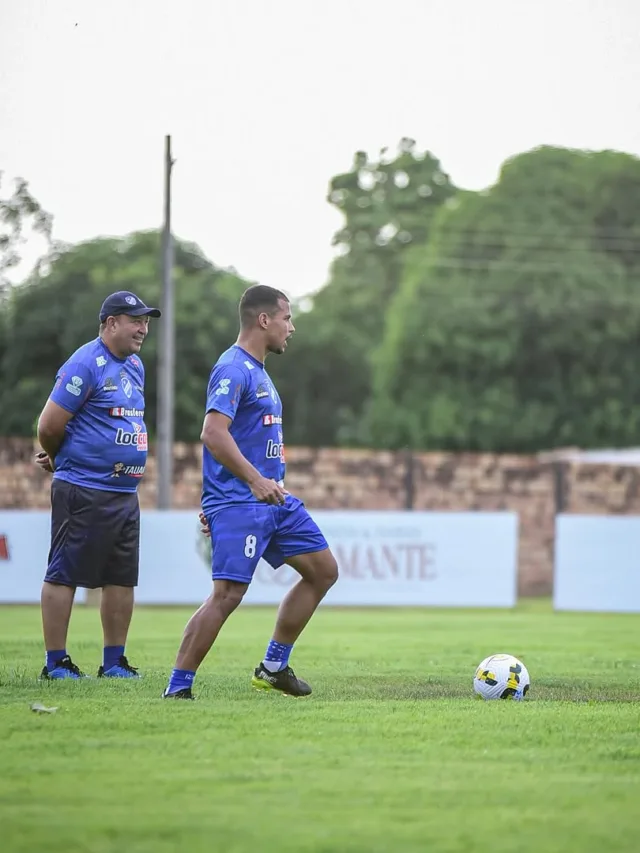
[506, 241]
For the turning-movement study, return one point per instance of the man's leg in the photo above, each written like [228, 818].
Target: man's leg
[239, 536]
[56, 602]
[201, 633]
[71, 552]
[300, 544]
[116, 610]
[205, 624]
[318, 571]
[119, 579]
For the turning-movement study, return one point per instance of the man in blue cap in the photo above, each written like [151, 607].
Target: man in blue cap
[94, 441]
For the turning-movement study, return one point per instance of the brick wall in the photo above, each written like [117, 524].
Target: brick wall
[331, 478]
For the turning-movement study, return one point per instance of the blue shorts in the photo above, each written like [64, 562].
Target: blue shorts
[242, 534]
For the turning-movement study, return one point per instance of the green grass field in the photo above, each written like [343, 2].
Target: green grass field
[391, 752]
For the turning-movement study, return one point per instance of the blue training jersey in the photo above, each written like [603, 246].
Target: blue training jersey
[240, 388]
[105, 442]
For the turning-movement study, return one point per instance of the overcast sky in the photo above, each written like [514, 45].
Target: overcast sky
[266, 101]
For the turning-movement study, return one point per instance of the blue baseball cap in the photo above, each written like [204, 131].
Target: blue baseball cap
[125, 302]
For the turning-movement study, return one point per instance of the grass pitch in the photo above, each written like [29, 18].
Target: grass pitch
[391, 752]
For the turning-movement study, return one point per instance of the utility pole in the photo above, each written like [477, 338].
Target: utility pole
[166, 350]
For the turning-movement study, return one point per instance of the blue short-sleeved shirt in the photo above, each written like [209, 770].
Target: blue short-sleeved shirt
[240, 387]
[105, 442]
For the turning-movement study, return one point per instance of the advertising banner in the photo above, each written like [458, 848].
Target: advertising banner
[597, 565]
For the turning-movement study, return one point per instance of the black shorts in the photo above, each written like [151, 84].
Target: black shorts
[95, 537]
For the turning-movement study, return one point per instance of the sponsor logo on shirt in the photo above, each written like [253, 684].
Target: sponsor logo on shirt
[125, 382]
[137, 438]
[120, 469]
[101, 361]
[275, 450]
[270, 420]
[75, 386]
[223, 387]
[110, 385]
[121, 412]
[249, 365]
[261, 391]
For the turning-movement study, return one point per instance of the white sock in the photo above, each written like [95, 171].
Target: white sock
[273, 665]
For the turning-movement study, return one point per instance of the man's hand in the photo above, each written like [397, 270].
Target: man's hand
[204, 529]
[268, 491]
[44, 462]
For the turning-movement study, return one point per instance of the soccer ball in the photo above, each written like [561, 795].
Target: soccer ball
[501, 677]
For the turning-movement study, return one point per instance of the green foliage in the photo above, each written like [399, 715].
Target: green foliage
[389, 205]
[19, 212]
[498, 320]
[51, 315]
[516, 328]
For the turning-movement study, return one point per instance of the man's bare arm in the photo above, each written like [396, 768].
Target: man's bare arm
[222, 446]
[51, 426]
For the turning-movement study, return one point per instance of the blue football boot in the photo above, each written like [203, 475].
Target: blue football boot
[63, 668]
[121, 670]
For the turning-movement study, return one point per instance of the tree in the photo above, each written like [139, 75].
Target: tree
[19, 212]
[516, 328]
[388, 205]
[55, 312]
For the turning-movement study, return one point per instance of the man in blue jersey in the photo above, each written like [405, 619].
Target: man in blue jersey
[245, 505]
[94, 440]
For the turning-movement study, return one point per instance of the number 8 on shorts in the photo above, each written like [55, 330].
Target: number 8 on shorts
[250, 546]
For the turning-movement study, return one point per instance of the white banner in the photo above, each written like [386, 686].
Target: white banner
[385, 558]
[24, 550]
[597, 564]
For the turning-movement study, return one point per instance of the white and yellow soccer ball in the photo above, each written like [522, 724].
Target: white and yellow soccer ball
[501, 677]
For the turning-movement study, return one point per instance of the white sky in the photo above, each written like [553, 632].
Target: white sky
[267, 99]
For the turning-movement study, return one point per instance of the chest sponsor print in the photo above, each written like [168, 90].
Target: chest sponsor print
[137, 438]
